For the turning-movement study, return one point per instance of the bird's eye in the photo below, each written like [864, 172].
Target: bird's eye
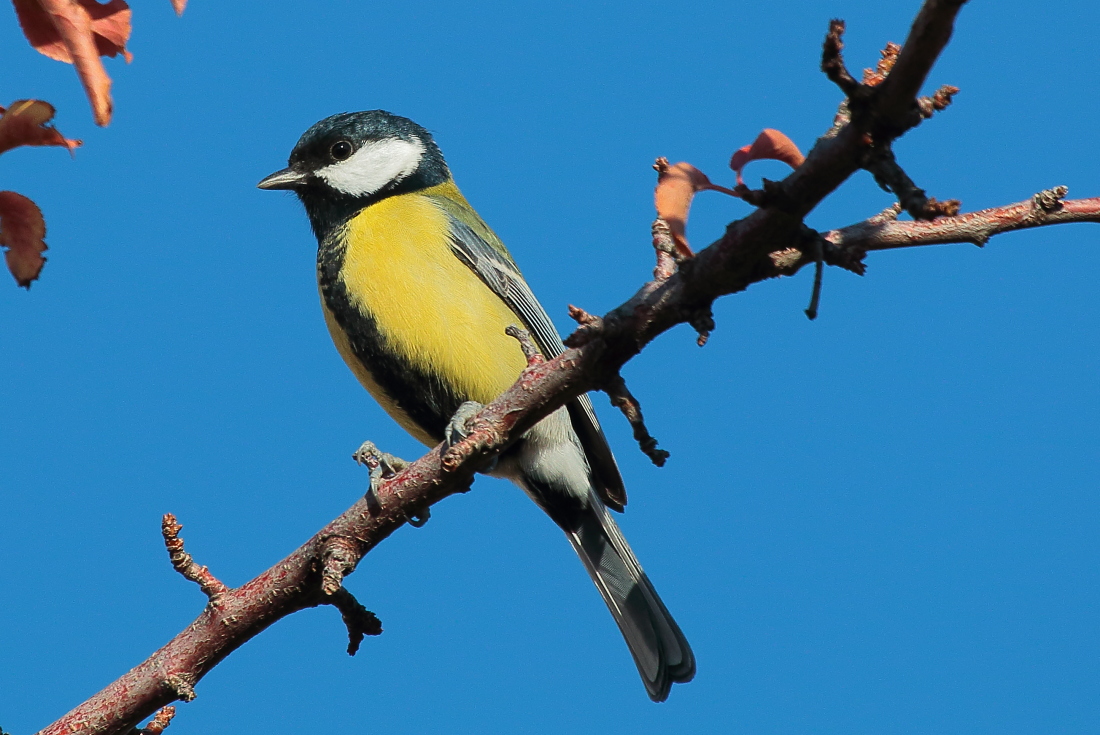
[340, 150]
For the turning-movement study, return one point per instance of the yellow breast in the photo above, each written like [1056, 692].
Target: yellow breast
[434, 312]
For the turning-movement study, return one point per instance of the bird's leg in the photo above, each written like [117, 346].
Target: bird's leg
[382, 466]
[457, 431]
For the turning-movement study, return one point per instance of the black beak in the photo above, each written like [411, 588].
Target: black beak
[288, 178]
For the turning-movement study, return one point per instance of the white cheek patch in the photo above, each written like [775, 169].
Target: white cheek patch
[373, 166]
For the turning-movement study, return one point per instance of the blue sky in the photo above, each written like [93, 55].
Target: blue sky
[880, 522]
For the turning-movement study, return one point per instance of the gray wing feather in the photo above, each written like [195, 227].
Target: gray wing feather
[501, 275]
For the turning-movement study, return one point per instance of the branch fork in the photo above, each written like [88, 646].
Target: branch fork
[860, 108]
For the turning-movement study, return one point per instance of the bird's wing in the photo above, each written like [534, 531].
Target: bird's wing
[475, 245]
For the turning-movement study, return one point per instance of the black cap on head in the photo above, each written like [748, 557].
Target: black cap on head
[357, 128]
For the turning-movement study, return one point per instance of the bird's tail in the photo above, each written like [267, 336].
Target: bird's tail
[660, 650]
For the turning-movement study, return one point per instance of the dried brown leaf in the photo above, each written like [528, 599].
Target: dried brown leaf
[770, 144]
[22, 230]
[109, 23]
[78, 32]
[24, 123]
[676, 186]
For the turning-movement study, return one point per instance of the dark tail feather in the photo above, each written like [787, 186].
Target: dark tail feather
[659, 648]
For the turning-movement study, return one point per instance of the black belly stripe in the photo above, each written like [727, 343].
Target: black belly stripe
[428, 400]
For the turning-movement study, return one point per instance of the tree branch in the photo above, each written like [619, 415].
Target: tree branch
[896, 106]
[771, 242]
[1045, 208]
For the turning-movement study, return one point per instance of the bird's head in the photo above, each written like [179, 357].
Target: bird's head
[349, 160]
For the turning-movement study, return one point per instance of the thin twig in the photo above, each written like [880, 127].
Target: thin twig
[159, 723]
[832, 59]
[819, 269]
[530, 350]
[938, 101]
[1045, 208]
[622, 399]
[876, 76]
[184, 564]
[888, 173]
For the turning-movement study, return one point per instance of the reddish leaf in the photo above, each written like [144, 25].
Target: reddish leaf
[79, 32]
[24, 123]
[770, 144]
[110, 26]
[676, 186]
[21, 232]
[179, 5]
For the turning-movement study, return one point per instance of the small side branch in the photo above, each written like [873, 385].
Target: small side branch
[339, 557]
[591, 326]
[359, 620]
[702, 321]
[622, 399]
[888, 173]
[937, 102]
[819, 270]
[887, 57]
[183, 562]
[832, 60]
[530, 350]
[159, 723]
[1045, 208]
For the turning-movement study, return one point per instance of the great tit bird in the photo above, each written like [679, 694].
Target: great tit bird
[417, 292]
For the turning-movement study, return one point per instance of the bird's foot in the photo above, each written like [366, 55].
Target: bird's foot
[457, 430]
[383, 466]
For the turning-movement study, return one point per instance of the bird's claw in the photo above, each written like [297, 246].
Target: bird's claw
[374, 458]
[457, 430]
[382, 466]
